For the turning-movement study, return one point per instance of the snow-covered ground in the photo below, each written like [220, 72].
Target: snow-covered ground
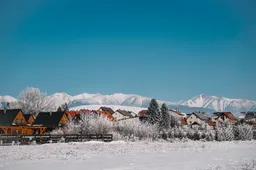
[121, 155]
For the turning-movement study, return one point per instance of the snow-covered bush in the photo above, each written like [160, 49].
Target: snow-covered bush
[243, 132]
[220, 134]
[190, 133]
[95, 125]
[210, 135]
[229, 133]
[137, 129]
[87, 125]
[197, 135]
[179, 132]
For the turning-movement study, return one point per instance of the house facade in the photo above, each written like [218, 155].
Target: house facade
[122, 114]
[250, 118]
[226, 118]
[106, 109]
[198, 117]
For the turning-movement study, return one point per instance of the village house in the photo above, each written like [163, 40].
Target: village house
[103, 114]
[183, 122]
[250, 118]
[210, 125]
[10, 120]
[51, 120]
[198, 117]
[225, 118]
[143, 115]
[122, 114]
[195, 125]
[107, 110]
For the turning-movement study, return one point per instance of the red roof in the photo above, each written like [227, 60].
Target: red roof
[73, 113]
[102, 113]
[229, 115]
[143, 112]
[183, 121]
[210, 123]
[86, 111]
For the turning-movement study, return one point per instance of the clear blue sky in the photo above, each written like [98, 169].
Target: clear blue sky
[171, 50]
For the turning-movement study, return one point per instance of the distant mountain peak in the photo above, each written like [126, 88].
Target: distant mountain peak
[202, 102]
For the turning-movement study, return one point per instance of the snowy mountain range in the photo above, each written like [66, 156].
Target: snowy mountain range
[199, 103]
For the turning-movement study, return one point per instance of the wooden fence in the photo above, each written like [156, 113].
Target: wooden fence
[41, 139]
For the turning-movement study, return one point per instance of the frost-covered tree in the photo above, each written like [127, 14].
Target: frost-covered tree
[87, 125]
[137, 129]
[190, 133]
[243, 132]
[174, 120]
[210, 135]
[225, 133]
[165, 122]
[31, 101]
[179, 132]
[154, 114]
[229, 133]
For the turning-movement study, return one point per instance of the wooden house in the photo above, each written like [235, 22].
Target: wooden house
[13, 121]
[12, 117]
[10, 120]
[51, 120]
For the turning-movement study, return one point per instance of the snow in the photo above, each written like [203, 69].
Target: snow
[219, 103]
[6, 99]
[120, 155]
[113, 107]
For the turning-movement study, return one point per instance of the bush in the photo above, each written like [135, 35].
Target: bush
[137, 129]
[243, 132]
[225, 133]
[87, 125]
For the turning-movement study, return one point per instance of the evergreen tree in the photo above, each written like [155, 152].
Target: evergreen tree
[59, 109]
[154, 115]
[65, 107]
[165, 117]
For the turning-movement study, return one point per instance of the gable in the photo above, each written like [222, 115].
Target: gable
[19, 119]
[64, 120]
[117, 114]
[7, 117]
[31, 120]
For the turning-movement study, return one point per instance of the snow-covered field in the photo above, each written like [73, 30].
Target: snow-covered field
[121, 155]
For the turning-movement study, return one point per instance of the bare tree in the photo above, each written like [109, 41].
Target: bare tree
[31, 101]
